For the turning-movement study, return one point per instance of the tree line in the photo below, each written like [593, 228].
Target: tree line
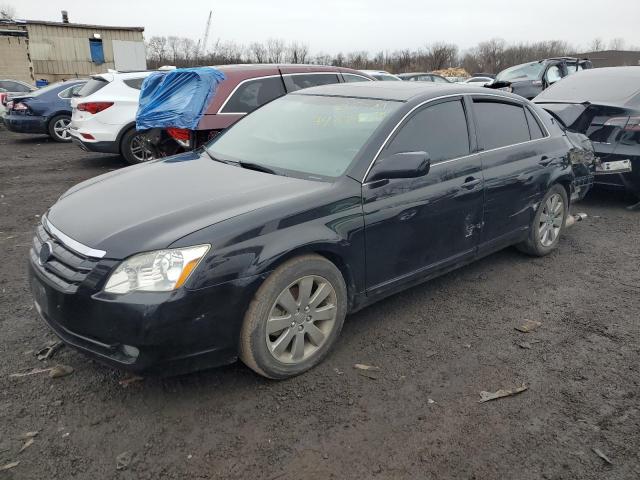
[489, 56]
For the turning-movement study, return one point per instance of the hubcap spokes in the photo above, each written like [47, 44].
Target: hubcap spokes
[551, 220]
[139, 150]
[301, 319]
[61, 128]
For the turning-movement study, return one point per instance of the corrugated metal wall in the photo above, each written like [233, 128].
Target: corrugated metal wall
[59, 52]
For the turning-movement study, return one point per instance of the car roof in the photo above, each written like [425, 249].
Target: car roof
[396, 91]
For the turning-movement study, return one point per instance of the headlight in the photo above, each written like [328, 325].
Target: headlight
[159, 271]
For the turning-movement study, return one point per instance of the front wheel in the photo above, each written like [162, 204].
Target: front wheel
[59, 128]
[134, 149]
[294, 318]
[548, 223]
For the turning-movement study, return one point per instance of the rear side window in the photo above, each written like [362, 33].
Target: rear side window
[440, 130]
[92, 86]
[440, 80]
[253, 94]
[71, 91]
[351, 78]
[134, 82]
[534, 127]
[500, 124]
[298, 82]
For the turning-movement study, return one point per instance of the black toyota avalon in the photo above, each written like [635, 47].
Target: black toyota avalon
[310, 208]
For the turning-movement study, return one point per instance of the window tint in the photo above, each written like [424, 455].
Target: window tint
[253, 94]
[424, 78]
[351, 78]
[500, 124]
[298, 82]
[134, 82]
[440, 79]
[534, 126]
[92, 86]
[440, 130]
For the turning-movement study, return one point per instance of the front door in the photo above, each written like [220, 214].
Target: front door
[416, 226]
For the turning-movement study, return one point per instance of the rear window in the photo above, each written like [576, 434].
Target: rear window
[529, 71]
[92, 86]
[15, 87]
[134, 82]
[253, 94]
[500, 124]
[351, 78]
[534, 126]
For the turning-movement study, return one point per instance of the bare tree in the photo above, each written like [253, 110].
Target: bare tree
[275, 50]
[441, 55]
[596, 45]
[297, 52]
[259, 52]
[617, 44]
[7, 11]
[157, 49]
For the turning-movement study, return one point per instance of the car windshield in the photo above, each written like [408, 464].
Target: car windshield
[529, 71]
[308, 135]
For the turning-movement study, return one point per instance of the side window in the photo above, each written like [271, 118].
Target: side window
[351, 78]
[534, 126]
[253, 94]
[440, 130]
[425, 78]
[440, 80]
[553, 74]
[298, 82]
[66, 93]
[500, 124]
[134, 83]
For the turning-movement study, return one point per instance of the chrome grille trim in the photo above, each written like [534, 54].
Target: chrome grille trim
[70, 242]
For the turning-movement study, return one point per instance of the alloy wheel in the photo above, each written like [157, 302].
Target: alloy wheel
[139, 150]
[551, 220]
[61, 128]
[301, 319]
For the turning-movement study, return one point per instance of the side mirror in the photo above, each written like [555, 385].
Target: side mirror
[400, 165]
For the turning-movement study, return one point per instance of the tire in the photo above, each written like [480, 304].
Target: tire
[57, 128]
[537, 244]
[132, 149]
[273, 354]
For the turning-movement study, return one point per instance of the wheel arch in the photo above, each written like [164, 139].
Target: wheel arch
[122, 133]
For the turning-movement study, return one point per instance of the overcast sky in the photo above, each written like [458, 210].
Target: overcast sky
[347, 25]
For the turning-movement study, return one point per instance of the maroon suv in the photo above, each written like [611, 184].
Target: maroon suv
[245, 88]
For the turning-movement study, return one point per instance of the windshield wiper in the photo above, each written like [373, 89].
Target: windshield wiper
[257, 167]
[206, 150]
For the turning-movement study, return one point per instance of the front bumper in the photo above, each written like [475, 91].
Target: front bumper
[159, 332]
[26, 123]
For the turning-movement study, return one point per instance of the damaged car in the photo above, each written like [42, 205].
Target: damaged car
[183, 109]
[529, 79]
[604, 105]
[312, 207]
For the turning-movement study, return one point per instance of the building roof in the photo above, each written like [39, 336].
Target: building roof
[76, 25]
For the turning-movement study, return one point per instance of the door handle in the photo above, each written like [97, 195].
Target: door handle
[471, 182]
[544, 161]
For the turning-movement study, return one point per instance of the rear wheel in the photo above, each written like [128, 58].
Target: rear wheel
[134, 149]
[294, 318]
[59, 128]
[548, 223]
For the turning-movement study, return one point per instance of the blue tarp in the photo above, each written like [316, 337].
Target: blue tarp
[176, 98]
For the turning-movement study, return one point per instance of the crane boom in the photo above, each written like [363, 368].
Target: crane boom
[205, 38]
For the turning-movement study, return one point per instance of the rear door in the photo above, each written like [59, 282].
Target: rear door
[516, 167]
[421, 225]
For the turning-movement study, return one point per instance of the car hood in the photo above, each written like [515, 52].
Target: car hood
[152, 205]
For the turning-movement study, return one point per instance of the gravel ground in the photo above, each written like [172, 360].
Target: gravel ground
[437, 346]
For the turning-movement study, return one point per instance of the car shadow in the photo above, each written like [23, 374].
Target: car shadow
[602, 197]
[99, 160]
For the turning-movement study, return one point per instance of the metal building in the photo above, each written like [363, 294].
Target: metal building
[31, 50]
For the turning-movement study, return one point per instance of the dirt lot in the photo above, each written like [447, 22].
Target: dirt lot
[437, 347]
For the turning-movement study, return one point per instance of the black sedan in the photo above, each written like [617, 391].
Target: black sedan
[603, 104]
[311, 207]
